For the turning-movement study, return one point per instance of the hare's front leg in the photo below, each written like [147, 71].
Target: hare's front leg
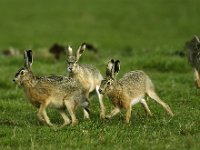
[128, 113]
[42, 115]
[71, 106]
[114, 112]
[65, 117]
[102, 107]
[146, 107]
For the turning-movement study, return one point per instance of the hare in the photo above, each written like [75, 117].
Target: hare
[89, 77]
[56, 91]
[129, 90]
[193, 54]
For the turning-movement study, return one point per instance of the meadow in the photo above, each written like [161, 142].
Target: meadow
[143, 35]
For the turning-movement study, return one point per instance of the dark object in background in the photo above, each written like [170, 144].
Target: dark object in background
[57, 49]
[180, 53]
[10, 52]
[91, 47]
[192, 48]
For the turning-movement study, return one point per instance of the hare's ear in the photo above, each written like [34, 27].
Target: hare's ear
[28, 59]
[110, 68]
[197, 44]
[116, 67]
[69, 51]
[80, 50]
[197, 39]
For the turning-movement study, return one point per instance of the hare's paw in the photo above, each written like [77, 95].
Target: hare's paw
[102, 115]
[197, 83]
[108, 116]
[65, 124]
[54, 127]
[75, 122]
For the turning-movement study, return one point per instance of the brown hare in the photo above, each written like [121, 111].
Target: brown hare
[89, 77]
[129, 90]
[193, 53]
[56, 91]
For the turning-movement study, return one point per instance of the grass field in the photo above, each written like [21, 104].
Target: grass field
[142, 34]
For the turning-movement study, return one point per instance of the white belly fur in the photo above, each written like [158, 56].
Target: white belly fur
[136, 100]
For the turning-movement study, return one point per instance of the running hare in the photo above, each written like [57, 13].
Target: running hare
[193, 54]
[129, 90]
[89, 77]
[56, 91]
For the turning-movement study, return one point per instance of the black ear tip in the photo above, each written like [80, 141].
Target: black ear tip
[84, 44]
[29, 50]
[69, 48]
[112, 61]
[117, 61]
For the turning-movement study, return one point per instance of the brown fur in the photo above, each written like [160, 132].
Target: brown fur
[55, 91]
[129, 90]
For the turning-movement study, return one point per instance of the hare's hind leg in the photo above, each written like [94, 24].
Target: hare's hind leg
[86, 114]
[65, 117]
[102, 107]
[114, 112]
[146, 107]
[71, 106]
[196, 78]
[151, 93]
[42, 115]
[155, 97]
[86, 111]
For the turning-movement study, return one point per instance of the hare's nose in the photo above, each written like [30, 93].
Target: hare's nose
[69, 68]
[100, 90]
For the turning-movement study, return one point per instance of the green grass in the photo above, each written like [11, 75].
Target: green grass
[142, 34]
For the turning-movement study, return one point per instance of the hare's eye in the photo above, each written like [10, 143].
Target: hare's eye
[22, 72]
[108, 83]
[198, 46]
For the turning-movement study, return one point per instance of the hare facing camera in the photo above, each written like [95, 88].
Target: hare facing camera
[89, 77]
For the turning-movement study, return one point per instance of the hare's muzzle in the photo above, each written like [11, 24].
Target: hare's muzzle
[100, 91]
[69, 69]
[16, 81]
